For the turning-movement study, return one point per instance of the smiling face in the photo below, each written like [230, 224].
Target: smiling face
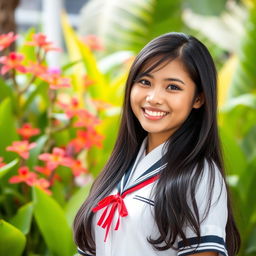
[162, 100]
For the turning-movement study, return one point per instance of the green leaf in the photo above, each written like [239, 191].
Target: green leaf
[133, 24]
[27, 50]
[70, 65]
[5, 169]
[249, 143]
[234, 157]
[207, 7]
[245, 75]
[7, 129]
[33, 156]
[247, 100]
[59, 191]
[77, 49]
[41, 89]
[52, 223]
[75, 202]
[6, 91]
[251, 247]
[22, 220]
[12, 241]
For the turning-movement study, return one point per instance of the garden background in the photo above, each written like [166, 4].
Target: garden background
[60, 108]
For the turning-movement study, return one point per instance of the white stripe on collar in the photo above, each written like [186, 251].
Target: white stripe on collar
[143, 161]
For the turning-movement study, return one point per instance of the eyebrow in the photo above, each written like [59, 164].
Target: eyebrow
[166, 79]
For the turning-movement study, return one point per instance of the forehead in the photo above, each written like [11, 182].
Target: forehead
[164, 64]
[154, 63]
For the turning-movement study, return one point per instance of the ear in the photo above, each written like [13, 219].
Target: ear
[199, 101]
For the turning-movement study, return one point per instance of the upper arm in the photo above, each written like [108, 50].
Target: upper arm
[212, 222]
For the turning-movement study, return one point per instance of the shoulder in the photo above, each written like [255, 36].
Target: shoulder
[211, 177]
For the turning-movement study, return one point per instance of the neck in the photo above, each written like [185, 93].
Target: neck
[153, 142]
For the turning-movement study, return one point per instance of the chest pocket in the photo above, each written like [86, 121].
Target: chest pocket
[144, 200]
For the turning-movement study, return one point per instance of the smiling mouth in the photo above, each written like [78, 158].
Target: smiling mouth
[154, 114]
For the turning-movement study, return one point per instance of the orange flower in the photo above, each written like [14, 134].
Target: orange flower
[86, 119]
[24, 175]
[86, 139]
[76, 166]
[40, 40]
[69, 105]
[26, 131]
[43, 184]
[46, 170]
[12, 61]
[93, 42]
[53, 78]
[55, 159]
[36, 69]
[7, 39]
[1, 162]
[21, 147]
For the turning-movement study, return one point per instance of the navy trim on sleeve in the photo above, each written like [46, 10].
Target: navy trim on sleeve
[204, 244]
[82, 252]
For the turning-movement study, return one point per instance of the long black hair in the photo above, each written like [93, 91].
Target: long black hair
[194, 142]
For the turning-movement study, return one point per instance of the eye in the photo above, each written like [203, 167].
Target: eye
[144, 82]
[172, 87]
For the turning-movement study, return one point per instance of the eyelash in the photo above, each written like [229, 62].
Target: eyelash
[143, 80]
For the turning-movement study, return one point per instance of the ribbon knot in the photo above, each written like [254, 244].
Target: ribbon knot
[116, 202]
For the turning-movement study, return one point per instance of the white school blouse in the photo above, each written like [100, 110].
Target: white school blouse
[131, 237]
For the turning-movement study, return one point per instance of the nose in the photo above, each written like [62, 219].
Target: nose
[154, 97]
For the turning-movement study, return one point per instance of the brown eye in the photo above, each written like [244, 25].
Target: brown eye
[144, 82]
[173, 87]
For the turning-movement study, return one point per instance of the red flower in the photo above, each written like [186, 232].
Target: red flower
[7, 39]
[53, 78]
[12, 61]
[55, 159]
[24, 175]
[93, 42]
[1, 162]
[26, 131]
[76, 166]
[86, 139]
[40, 40]
[86, 119]
[21, 147]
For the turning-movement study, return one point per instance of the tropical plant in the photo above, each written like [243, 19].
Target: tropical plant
[238, 130]
[50, 121]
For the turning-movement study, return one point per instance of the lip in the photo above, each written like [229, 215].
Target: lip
[146, 115]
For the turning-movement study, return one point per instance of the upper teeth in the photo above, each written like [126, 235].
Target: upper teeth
[154, 113]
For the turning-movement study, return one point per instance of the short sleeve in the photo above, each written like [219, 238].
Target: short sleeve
[213, 224]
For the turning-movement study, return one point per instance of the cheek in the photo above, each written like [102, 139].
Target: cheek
[134, 98]
[182, 100]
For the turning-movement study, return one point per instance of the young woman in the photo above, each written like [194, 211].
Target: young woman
[163, 190]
